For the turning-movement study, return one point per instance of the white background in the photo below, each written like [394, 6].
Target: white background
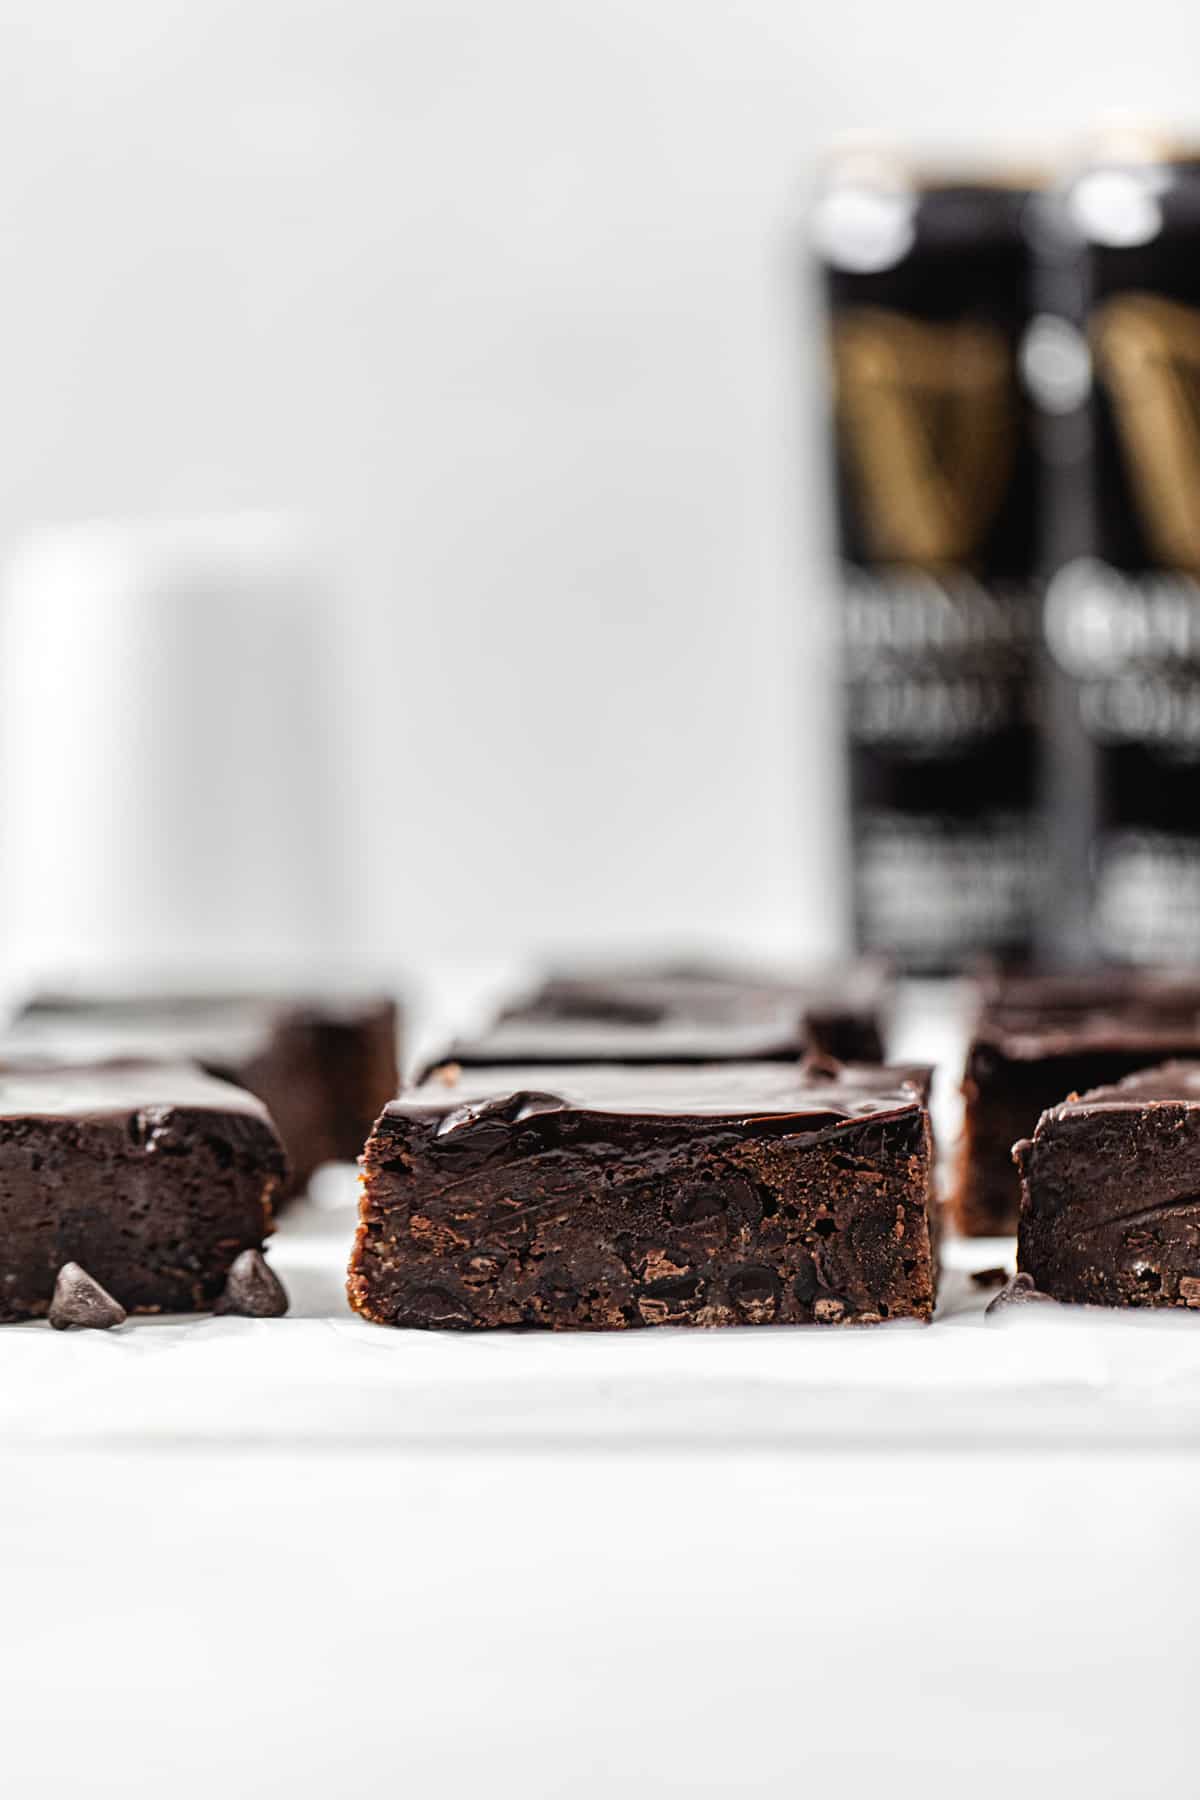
[539, 1627]
[503, 296]
[311, 1557]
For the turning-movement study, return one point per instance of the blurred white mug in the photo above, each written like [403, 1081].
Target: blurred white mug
[165, 736]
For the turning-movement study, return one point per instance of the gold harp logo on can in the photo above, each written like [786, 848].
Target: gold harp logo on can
[1147, 352]
[928, 422]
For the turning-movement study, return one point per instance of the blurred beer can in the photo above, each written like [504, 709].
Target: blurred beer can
[927, 281]
[1113, 357]
[167, 738]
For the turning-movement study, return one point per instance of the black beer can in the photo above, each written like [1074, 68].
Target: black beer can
[1114, 359]
[928, 288]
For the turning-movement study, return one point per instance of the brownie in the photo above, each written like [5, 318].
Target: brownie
[1110, 1203]
[602, 1196]
[152, 1177]
[686, 1013]
[322, 1065]
[1038, 1038]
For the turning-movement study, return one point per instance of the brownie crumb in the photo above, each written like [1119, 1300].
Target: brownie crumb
[989, 1278]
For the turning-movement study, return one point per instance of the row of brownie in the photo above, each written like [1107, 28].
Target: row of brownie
[665, 1157]
[1035, 1039]
[624, 1149]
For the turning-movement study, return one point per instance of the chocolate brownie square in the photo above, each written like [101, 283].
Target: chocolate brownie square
[153, 1178]
[687, 1012]
[1110, 1208]
[605, 1197]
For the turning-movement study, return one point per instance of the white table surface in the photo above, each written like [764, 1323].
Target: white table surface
[311, 1555]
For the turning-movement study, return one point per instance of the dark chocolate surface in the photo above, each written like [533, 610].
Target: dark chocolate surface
[1168, 1084]
[1038, 1039]
[1110, 1209]
[324, 1064]
[151, 1177]
[686, 1013]
[808, 1097]
[604, 1197]
[118, 1089]
[1029, 1017]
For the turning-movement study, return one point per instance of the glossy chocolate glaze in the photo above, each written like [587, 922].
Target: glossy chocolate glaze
[809, 1096]
[1029, 1016]
[1169, 1084]
[50, 1090]
[323, 1063]
[686, 1013]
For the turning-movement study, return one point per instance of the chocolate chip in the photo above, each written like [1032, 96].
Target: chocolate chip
[806, 1284]
[1018, 1291]
[675, 1287]
[432, 1308]
[733, 1196]
[671, 1299]
[754, 1292]
[704, 1200]
[987, 1278]
[557, 1289]
[253, 1289]
[165, 1140]
[78, 1300]
[483, 1266]
[493, 1116]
